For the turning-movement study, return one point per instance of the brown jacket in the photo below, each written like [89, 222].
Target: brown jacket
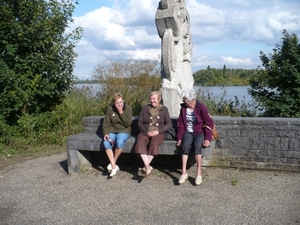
[164, 120]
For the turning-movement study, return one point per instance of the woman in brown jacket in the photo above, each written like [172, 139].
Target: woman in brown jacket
[154, 121]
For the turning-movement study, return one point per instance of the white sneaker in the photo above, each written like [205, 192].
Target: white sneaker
[183, 178]
[198, 180]
[109, 168]
[114, 171]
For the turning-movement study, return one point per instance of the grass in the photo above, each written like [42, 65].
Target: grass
[234, 182]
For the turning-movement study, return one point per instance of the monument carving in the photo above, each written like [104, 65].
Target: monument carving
[173, 26]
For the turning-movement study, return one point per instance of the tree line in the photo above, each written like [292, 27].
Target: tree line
[223, 77]
[210, 77]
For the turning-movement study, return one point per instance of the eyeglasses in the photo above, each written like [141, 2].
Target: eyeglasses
[121, 102]
[187, 101]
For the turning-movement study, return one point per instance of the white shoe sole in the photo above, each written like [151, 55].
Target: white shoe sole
[183, 178]
[114, 171]
[109, 168]
[198, 180]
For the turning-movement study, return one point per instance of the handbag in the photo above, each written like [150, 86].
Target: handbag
[171, 134]
[213, 130]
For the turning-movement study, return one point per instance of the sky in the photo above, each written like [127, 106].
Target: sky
[224, 32]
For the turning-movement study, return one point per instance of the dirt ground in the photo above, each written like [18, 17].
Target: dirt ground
[40, 191]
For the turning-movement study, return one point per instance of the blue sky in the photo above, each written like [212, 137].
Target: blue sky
[227, 32]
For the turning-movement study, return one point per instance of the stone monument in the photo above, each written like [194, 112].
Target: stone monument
[173, 26]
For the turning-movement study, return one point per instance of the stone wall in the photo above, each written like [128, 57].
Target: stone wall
[258, 143]
[252, 143]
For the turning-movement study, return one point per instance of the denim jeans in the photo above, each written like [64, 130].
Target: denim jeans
[118, 140]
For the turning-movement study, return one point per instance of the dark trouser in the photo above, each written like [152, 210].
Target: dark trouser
[190, 140]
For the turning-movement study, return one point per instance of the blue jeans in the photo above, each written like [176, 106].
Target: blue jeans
[119, 140]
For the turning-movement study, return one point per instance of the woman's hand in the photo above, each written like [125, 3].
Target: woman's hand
[206, 143]
[119, 104]
[119, 107]
[106, 137]
[152, 133]
[178, 143]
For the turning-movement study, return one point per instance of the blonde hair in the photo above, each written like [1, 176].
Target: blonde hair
[116, 96]
[158, 93]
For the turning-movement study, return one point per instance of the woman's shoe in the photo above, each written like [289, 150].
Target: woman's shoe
[114, 171]
[183, 178]
[143, 170]
[149, 171]
[198, 180]
[109, 167]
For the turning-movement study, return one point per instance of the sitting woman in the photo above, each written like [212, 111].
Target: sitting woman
[193, 115]
[116, 130]
[154, 121]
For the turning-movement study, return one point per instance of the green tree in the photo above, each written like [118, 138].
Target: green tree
[36, 55]
[224, 71]
[134, 79]
[223, 77]
[204, 77]
[276, 86]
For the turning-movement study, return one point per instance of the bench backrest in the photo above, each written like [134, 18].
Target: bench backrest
[93, 124]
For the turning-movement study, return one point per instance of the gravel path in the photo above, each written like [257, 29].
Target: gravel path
[40, 191]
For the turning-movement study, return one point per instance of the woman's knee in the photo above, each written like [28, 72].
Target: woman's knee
[120, 144]
[121, 139]
[185, 149]
[107, 144]
[198, 150]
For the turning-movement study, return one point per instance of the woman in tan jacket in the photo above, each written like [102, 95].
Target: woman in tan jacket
[154, 121]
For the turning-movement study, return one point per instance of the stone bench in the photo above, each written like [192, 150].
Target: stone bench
[80, 146]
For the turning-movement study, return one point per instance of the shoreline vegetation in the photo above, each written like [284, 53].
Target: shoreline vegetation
[209, 77]
[43, 134]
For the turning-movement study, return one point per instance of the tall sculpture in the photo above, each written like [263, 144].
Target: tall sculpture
[173, 26]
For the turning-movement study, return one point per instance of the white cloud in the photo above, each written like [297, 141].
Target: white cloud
[127, 29]
[204, 15]
[149, 54]
[88, 53]
[229, 60]
[204, 61]
[143, 40]
[99, 29]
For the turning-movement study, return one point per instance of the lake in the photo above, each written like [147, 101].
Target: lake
[231, 91]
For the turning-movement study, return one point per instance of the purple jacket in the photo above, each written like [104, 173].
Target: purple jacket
[202, 116]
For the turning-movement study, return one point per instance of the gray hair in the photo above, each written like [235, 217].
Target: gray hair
[189, 94]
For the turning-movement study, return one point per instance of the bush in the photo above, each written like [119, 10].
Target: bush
[49, 128]
[134, 79]
[219, 106]
[276, 84]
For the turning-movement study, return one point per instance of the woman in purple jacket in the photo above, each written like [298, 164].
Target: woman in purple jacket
[193, 114]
